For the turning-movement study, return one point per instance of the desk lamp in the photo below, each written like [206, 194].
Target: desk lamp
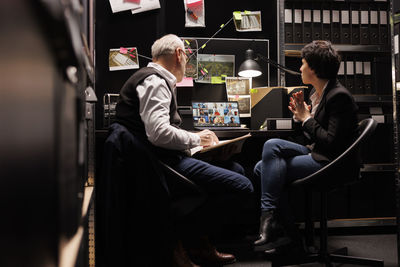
[250, 67]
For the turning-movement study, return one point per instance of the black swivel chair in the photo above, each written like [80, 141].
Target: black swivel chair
[138, 199]
[334, 175]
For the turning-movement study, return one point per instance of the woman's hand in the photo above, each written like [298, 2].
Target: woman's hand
[298, 107]
[207, 138]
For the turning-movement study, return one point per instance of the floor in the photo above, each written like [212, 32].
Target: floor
[382, 246]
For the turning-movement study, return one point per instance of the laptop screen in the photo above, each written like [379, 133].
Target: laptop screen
[216, 114]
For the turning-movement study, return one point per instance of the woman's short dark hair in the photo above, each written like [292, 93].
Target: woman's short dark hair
[322, 58]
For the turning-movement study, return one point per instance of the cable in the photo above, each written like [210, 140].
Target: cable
[204, 45]
[277, 65]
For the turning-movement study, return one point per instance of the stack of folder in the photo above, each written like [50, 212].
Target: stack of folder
[337, 21]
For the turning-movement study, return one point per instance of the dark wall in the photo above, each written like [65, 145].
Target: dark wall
[141, 30]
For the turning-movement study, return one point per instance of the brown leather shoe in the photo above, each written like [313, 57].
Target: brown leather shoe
[180, 257]
[208, 254]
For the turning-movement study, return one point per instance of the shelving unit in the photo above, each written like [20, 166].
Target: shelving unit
[379, 51]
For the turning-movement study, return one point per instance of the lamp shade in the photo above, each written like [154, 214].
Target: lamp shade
[249, 67]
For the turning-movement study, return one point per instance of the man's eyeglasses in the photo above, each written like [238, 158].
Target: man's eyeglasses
[187, 56]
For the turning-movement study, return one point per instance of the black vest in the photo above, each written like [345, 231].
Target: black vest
[127, 109]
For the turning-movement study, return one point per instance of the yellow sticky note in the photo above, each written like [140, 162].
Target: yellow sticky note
[204, 45]
[187, 42]
[216, 80]
[237, 15]
[247, 12]
[253, 91]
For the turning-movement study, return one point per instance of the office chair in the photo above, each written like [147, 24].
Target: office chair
[334, 175]
[138, 200]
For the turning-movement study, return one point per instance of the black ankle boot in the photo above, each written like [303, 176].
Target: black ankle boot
[268, 228]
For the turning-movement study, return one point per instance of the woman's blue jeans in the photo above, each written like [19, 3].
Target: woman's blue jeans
[282, 163]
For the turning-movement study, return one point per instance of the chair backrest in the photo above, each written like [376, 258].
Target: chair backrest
[343, 169]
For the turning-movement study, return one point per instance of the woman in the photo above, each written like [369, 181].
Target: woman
[330, 123]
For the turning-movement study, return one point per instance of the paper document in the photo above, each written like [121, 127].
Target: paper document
[146, 5]
[121, 5]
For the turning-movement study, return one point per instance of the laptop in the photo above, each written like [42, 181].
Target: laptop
[216, 115]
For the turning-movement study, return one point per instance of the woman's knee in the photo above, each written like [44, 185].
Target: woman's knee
[271, 147]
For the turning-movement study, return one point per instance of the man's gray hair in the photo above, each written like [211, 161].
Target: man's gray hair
[166, 45]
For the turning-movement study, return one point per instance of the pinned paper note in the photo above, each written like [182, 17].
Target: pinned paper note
[193, 3]
[146, 5]
[123, 50]
[237, 15]
[122, 5]
[186, 82]
[216, 80]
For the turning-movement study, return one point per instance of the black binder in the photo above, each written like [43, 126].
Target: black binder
[349, 69]
[298, 23]
[358, 77]
[367, 77]
[396, 50]
[336, 38]
[383, 27]
[364, 21]
[341, 73]
[307, 22]
[316, 22]
[345, 24]
[288, 23]
[326, 22]
[374, 28]
[355, 24]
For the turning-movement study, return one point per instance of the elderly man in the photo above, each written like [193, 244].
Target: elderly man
[148, 108]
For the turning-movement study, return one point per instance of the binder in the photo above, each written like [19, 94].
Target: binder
[326, 23]
[336, 27]
[298, 25]
[355, 24]
[367, 77]
[345, 23]
[383, 27]
[396, 46]
[364, 29]
[341, 73]
[288, 23]
[307, 21]
[358, 78]
[374, 28]
[316, 22]
[350, 75]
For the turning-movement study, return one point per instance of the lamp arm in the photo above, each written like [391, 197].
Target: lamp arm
[277, 65]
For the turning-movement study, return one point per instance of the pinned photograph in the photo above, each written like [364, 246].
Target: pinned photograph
[123, 58]
[244, 104]
[214, 68]
[247, 21]
[238, 85]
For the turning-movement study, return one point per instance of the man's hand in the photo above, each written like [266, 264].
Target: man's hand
[207, 138]
[298, 107]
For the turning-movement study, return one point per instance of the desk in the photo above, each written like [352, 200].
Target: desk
[227, 134]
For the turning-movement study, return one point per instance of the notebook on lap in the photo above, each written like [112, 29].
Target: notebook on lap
[216, 115]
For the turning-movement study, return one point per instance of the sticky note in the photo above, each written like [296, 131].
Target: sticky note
[216, 80]
[253, 91]
[186, 82]
[247, 12]
[237, 15]
[187, 42]
[123, 50]
[204, 45]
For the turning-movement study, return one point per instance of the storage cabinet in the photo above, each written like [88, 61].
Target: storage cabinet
[360, 30]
